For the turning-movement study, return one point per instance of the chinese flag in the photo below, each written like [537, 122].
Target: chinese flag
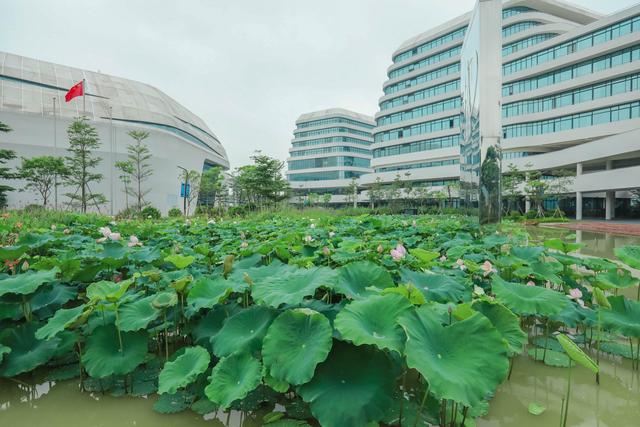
[76, 90]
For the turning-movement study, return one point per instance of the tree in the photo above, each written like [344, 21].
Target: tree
[139, 155]
[559, 187]
[5, 172]
[262, 183]
[211, 186]
[41, 173]
[83, 139]
[512, 182]
[352, 192]
[126, 169]
[375, 192]
[394, 192]
[326, 199]
[191, 177]
[535, 189]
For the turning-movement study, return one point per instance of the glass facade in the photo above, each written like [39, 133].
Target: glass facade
[329, 140]
[323, 176]
[583, 94]
[510, 30]
[325, 131]
[422, 78]
[425, 110]
[422, 94]
[332, 120]
[414, 147]
[574, 121]
[327, 162]
[512, 11]
[430, 60]
[421, 165]
[419, 129]
[573, 71]
[449, 37]
[586, 41]
[514, 47]
[328, 150]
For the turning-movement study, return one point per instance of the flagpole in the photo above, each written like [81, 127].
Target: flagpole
[55, 152]
[84, 92]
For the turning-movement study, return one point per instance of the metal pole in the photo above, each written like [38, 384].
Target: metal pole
[55, 153]
[186, 181]
[111, 140]
[84, 93]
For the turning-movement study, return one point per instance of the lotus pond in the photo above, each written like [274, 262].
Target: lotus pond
[338, 321]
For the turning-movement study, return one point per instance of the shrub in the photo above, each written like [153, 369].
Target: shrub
[174, 212]
[150, 213]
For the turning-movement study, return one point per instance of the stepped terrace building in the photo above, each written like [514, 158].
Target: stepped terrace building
[570, 101]
[329, 149]
[32, 104]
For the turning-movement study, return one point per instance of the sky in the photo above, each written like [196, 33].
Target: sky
[248, 68]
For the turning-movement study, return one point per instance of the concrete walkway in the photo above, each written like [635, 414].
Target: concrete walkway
[631, 228]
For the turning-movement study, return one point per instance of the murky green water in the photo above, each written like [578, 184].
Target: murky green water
[614, 403]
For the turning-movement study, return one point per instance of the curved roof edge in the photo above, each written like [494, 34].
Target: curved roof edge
[330, 112]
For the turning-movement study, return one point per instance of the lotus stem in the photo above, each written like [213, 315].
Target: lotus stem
[80, 365]
[598, 348]
[424, 400]
[118, 328]
[166, 336]
[404, 381]
[443, 413]
[546, 340]
[566, 405]
[454, 413]
[464, 415]
[511, 362]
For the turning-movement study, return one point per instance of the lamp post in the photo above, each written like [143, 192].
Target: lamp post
[184, 192]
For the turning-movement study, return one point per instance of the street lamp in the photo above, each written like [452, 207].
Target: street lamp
[185, 190]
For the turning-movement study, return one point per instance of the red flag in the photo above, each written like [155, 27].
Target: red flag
[76, 90]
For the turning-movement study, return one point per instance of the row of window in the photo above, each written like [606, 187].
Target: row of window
[514, 47]
[574, 121]
[324, 176]
[330, 130]
[446, 38]
[426, 61]
[576, 96]
[320, 191]
[516, 155]
[422, 78]
[432, 183]
[510, 30]
[414, 147]
[422, 165]
[332, 120]
[328, 162]
[421, 94]
[330, 140]
[586, 41]
[419, 129]
[327, 150]
[425, 110]
[511, 11]
[573, 71]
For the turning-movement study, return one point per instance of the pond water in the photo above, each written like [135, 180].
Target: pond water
[615, 402]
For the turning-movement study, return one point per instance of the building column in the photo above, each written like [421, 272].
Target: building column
[609, 206]
[527, 204]
[578, 194]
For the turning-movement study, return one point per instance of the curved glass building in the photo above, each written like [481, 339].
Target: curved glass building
[32, 104]
[329, 149]
[569, 89]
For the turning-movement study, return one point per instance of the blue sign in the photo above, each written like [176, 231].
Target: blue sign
[184, 193]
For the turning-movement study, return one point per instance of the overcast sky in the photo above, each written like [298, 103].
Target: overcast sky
[248, 68]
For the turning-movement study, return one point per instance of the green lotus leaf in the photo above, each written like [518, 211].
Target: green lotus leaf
[541, 271]
[598, 264]
[27, 283]
[448, 357]
[208, 292]
[173, 403]
[528, 300]
[63, 318]
[288, 423]
[183, 370]
[203, 406]
[233, 378]
[293, 286]
[12, 252]
[576, 354]
[527, 254]
[102, 356]
[112, 251]
[4, 350]
[180, 261]
[425, 257]
[553, 358]
[507, 323]
[107, 291]
[27, 352]
[624, 316]
[617, 348]
[353, 387]
[536, 408]
[436, 287]
[165, 299]
[354, 279]
[295, 343]
[409, 291]
[630, 255]
[615, 279]
[562, 246]
[137, 314]
[374, 321]
[243, 332]
[52, 297]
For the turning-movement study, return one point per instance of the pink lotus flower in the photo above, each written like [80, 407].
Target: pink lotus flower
[117, 278]
[460, 264]
[308, 239]
[443, 258]
[133, 241]
[114, 236]
[531, 283]
[487, 268]
[326, 251]
[105, 231]
[211, 221]
[398, 253]
[576, 295]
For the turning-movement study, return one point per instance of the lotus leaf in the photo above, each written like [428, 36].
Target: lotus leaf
[630, 255]
[374, 321]
[4, 350]
[59, 321]
[623, 317]
[27, 283]
[107, 291]
[553, 358]
[353, 387]
[27, 352]
[180, 261]
[354, 279]
[562, 246]
[173, 403]
[528, 300]
[293, 286]
[233, 378]
[528, 254]
[165, 299]
[243, 332]
[208, 292]
[102, 356]
[576, 354]
[536, 408]
[295, 343]
[616, 279]
[507, 323]
[137, 314]
[436, 287]
[449, 357]
[183, 370]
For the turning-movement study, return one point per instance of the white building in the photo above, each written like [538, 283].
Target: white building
[329, 149]
[32, 104]
[570, 100]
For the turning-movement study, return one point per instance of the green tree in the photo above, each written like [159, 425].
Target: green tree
[83, 139]
[211, 186]
[5, 172]
[326, 199]
[126, 171]
[193, 178]
[352, 192]
[559, 187]
[512, 182]
[139, 156]
[535, 189]
[262, 183]
[376, 192]
[41, 173]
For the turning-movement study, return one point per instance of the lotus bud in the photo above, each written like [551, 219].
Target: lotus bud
[228, 265]
[53, 227]
[332, 234]
[531, 283]
[66, 231]
[25, 265]
[248, 280]
[244, 245]
[380, 249]
[326, 251]
[414, 223]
